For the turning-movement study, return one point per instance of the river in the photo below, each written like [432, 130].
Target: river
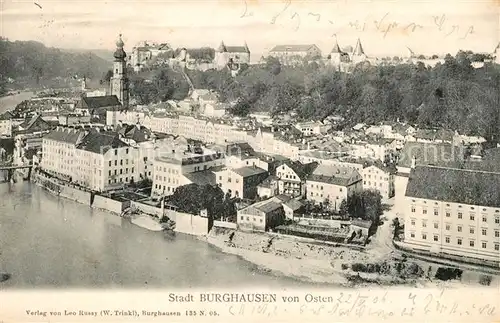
[47, 241]
[9, 102]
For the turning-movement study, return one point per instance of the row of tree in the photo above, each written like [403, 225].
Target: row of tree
[453, 95]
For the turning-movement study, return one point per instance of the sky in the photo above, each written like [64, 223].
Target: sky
[385, 28]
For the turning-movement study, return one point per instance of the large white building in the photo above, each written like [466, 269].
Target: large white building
[453, 211]
[91, 158]
[172, 169]
[331, 185]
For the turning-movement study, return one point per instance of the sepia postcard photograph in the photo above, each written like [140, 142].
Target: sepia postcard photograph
[272, 160]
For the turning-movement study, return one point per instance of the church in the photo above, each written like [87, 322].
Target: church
[118, 99]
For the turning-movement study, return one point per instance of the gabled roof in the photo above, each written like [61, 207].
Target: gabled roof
[66, 135]
[35, 121]
[342, 176]
[100, 143]
[455, 185]
[293, 204]
[240, 149]
[248, 171]
[302, 170]
[336, 48]
[292, 48]
[136, 132]
[444, 154]
[386, 167]
[205, 177]
[96, 102]
[358, 50]
[237, 49]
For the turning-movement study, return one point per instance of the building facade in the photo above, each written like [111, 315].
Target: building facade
[380, 178]
[463, 221]
[169, 170]
[331, 185]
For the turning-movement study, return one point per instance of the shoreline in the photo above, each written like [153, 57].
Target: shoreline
[293, 268]
[322, 265]
[305, 261]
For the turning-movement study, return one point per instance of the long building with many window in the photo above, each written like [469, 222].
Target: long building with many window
[453, 211]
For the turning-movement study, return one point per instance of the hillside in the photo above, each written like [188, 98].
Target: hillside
[30, 62]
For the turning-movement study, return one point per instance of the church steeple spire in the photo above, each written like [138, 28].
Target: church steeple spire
[119, 81]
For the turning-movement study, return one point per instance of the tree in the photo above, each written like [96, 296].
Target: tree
[273, 65]
[107, 76]
[366, 205]
[193, 198]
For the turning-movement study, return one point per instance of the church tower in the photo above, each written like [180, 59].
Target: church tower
[119, 80]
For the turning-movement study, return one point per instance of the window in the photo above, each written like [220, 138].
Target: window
[413, 209]
[471, 230]
[116, 152]
[424, 236]
[459, 228]
[447, 239]
[116, 163]
[424, 211]
[459, 215]
[110, 163]
[497, 233]
[485, 219]
[448, 214]
[412, 222]
[483, 245]
[436, 226]
[483, 231]
[472, 217]
[471, 243]
[412, 234]
[448, 227]
[459, 241]
[121, 162]
[110, 173]
[241, 218]
[497, 220]
[436, 212]
[436, 237]
[497, 246]
[126, 151]
[248, 218]
[237, 180]
[424, 224]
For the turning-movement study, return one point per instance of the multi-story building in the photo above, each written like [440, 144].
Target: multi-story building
[8, 122]
[292, 177]
[169, 168]
[453, 211]
[104, 162]
[58, 151]
[331, 185]
[91, 158]
[241, 182]
[292, 54]
[380, 176]
[145, 52]
[235, 54]
[261, 216]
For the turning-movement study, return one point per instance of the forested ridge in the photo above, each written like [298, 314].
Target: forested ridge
[452, 95]
[32, 61]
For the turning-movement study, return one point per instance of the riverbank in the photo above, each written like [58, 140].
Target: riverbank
[337, 265]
